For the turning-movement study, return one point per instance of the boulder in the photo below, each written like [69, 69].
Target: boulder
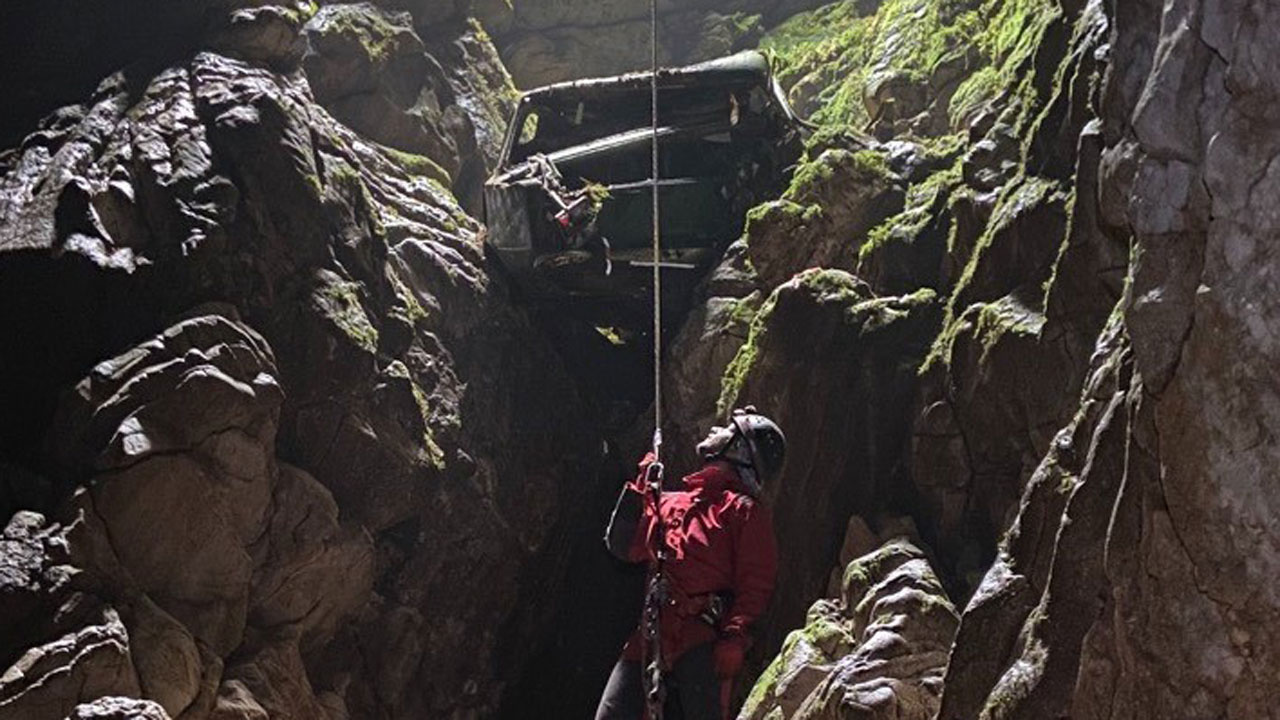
[179, 436]
[878, 652]
[49, 680]
[119, 708]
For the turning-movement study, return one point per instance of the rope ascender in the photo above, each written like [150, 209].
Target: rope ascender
[656, 592]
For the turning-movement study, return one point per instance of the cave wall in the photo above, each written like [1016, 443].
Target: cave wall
[283, 449]
[1051, 189]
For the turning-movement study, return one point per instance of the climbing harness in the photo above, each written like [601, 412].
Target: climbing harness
[656, 593]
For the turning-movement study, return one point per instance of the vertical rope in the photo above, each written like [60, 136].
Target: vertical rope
[657, 237]
[655, 693]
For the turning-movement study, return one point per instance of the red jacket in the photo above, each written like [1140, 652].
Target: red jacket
[718, 539]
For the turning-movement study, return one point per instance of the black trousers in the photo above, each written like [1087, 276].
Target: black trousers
[693, 690]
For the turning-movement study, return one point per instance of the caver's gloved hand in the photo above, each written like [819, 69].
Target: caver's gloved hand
[729, 654]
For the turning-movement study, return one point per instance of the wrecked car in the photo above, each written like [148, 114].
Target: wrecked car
[569, 208]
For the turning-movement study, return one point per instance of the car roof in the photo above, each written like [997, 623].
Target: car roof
[745, 68]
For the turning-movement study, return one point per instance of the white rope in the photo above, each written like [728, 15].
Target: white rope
[653, 682]
[657, 238]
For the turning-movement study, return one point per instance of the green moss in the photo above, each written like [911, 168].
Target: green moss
[810, 175]
[944, 344]
[1011, 32]
[833, 285]
[367, 26]
[1002, 317]
[301, 12]
[735, 375]
[820, 48]
[434, 453]
[872, 162]
[811, 181]
[945, 149]
[745, 309]
[313, 182]
[408, 307]
[478, 31]
[980, 88]
[422, 165]
[920, 210]
[1016, 197]
[397, 369]
[835, 135]
[763, 218]
[835, 50]
[612, 334]
[339, 300]
[878, 313]
[987, 324]
[767, 683]
[826, 56]
[745, 24]
[827, 636]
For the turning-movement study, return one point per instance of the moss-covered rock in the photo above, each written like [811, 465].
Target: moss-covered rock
[907, 250]
[882, 646]
[909, 65]
[819, 337]
[822, 219]
[440, 105]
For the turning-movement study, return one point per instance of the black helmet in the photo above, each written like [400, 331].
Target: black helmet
[766, 444]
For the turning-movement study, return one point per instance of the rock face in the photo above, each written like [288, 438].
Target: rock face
[877, 652]
[446, 99]
[273, 435]
[1086, 246]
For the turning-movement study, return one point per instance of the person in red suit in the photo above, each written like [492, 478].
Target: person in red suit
[720, 562]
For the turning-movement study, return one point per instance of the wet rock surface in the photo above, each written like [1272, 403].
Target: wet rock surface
[444, 99]
[876, 651]
[255, 503]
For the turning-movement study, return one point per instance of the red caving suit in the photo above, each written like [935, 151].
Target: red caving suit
[718, 539]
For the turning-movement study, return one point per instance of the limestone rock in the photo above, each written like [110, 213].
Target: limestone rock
[268, 34]
[34, 579]
[118, 708]
[50, 679]
[235, 702]
[338, 422]
[879, 652]
[170, 666]
[822, 333]
[165, 474]
[371, 70]
[438, 91]
[543, 43]
[824, 217]
[484, 98]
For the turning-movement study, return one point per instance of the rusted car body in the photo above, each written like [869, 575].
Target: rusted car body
[569, 208]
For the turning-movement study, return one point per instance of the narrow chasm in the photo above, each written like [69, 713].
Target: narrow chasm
[329, 346]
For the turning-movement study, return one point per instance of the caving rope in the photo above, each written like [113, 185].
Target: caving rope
[656, 593]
